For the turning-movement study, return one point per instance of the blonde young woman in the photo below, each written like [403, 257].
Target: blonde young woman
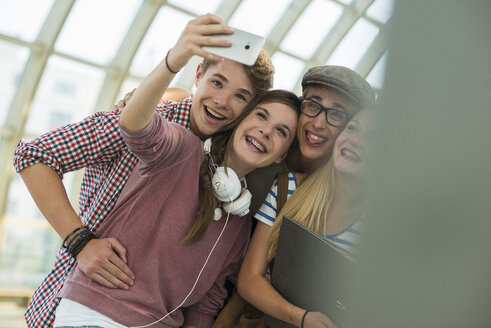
[313, 202]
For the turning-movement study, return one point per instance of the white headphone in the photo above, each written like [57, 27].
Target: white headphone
[227, 187]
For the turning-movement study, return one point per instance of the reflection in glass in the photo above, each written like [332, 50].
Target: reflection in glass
[354, 46]
[264, 19]
[311, 28]
[67, 92]
[23, 18]
[287, 71]
[95, 29]
[162, 35]
[12, 61]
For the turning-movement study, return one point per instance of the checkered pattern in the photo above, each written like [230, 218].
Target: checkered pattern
[96, 145]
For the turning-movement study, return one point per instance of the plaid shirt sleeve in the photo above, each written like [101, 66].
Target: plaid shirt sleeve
[93, 141]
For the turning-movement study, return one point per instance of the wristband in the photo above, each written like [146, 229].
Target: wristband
[303, 318]
[167, 63]
[70, 234]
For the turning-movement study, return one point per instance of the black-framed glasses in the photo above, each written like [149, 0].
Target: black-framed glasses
[334, 117]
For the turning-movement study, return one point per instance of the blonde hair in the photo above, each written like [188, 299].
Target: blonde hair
[308, 205]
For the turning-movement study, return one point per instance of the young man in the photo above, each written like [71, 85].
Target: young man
[223, 89]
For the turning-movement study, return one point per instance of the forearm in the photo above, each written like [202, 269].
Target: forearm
[49, 194]
[139, 111]
[260, 293]
[253, 286]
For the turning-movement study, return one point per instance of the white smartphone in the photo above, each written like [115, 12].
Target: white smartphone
[245, 47]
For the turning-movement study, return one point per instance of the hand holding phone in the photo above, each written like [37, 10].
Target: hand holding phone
[245, 47]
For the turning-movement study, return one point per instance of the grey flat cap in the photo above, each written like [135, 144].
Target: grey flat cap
[342, 79]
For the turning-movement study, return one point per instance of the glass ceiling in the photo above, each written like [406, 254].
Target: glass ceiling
[64, 59]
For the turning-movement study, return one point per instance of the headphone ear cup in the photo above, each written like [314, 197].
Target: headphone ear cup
[225, 187]
[240, 206]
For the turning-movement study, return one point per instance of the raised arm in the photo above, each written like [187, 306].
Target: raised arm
[254, 288]
[139, 111]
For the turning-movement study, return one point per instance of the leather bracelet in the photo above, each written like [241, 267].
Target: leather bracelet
[70, 234]
[303, 318]
[167, 63]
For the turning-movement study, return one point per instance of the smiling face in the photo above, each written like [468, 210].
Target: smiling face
[263, 137]
[352, 146]
[315, 136]
[222, 93]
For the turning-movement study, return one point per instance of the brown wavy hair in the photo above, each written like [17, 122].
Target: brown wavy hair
[221, 143]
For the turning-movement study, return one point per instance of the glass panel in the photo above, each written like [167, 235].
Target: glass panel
[311, 28]
[347, 2]
[162, 35]
[377, 74]
[287, 71]
[24, 264]
[199, 7]
[354, 45]
[381, 10]
[12, 60]
[20, 23]
[95, 29]
[248, 17]
[67, 92]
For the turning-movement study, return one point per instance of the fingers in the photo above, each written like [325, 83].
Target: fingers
[114, 275]
[318, 319]
[207, 19]
[121, 104]
[119, 249]
[100, 260]
[201, 31]
[128, 96]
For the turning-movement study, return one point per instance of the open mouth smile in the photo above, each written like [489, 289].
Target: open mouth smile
[314, 139]
[256, 144]
[352, 156]
[214, 115]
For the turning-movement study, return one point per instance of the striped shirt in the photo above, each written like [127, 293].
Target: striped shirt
[346, 239]
[96, 145]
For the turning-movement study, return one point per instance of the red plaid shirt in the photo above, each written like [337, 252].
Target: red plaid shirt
[96, 145]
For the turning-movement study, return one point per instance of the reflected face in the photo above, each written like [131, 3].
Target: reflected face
[265, 135]
[315, 136]
[222, 93]
[352, 147]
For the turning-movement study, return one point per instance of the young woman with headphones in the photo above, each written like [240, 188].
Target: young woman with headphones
[179, 215]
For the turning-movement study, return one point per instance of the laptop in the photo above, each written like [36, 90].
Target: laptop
[311, 272]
